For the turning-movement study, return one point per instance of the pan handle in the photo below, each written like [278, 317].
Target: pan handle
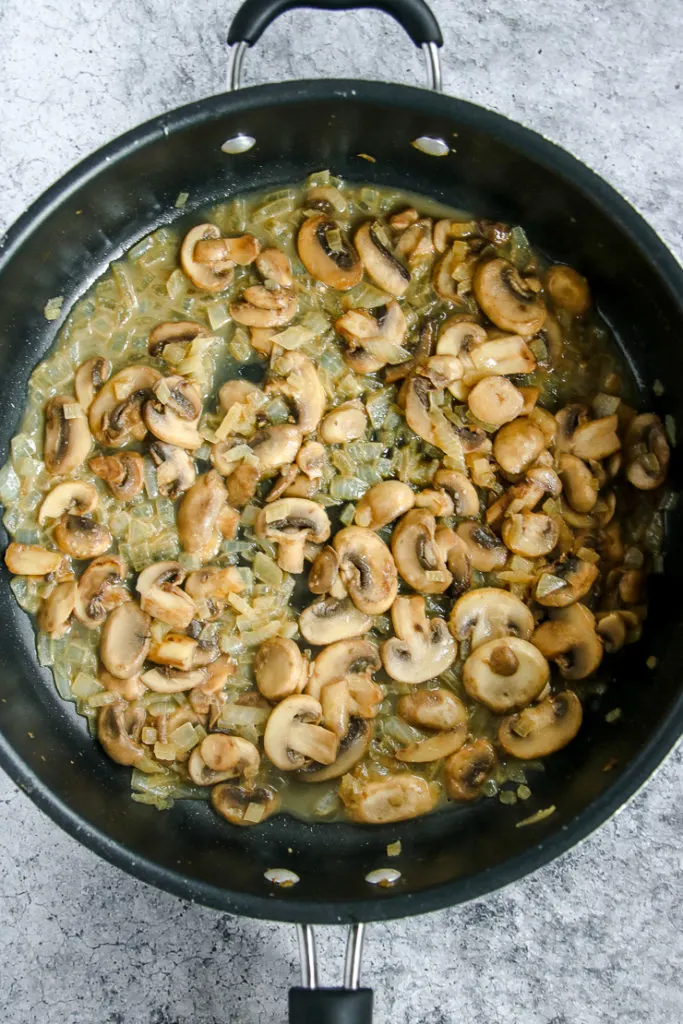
[312, 1005]
[415, 16]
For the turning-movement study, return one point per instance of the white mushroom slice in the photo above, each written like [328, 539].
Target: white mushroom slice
[597, 439]
[100, 589]
[395, 798]
[260, 307]
[280, 669]
[327, 255]
[241, 250]
[530, 534]
[175, 650]
[579, 485]
[242, 805]
[67, 438]
[517, 445]
[466, 771]
[275, 447]
[89, 378]
[174, 332]
[31, 560]
[293, 736]
[128, 689]
[431, 424]
[295, 377]
[54, 616]
[170, 680]
[161, 596]
[329, 619]
[484, 550]
[123, 473]
[383, 503]
[220, 757]
[495, 400]
[209, 588]
[507, 299]
[346, 423]
[374, 337]
[385, 270]
[457, 555]
[355, 660]
[274, 265]
[173, 414]
[416, 243]
[542, 729]
[441, 371]
[367, 569]
[570, 639]
[291, 523]
[460, 489]
[81, 536]
[565, 582]
[438, 502]
[568, 290]
[125, 640]
[452, 269]
[647, 452]
[311, 459]
[199, 515]
[434, 747]
[175, 469]
[459, 336]
[417, 555]
[115, 415]
[498, 357]
[118, 729]
[209, 277]
[422, 648]
[352, 748]
[488, 613]
[324, 575]
[440, 710]
[335, 702]
[75, 496]
[505, 673]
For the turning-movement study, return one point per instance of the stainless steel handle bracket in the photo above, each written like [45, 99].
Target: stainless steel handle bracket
[309, 962]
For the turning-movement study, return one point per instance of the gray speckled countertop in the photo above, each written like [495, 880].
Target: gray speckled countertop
[594, 937]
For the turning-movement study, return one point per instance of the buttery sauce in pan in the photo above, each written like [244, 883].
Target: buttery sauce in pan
[430, 461]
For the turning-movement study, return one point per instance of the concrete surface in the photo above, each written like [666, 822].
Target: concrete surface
[595, 937]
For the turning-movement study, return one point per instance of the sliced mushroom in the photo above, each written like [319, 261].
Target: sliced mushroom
[460, 335]
[55, 612]
[422, 648]
[579, 485]
[214, 276]
[507, 299]
[394, 798]
[274, 265]
[383, 503]
[293, 735]
[485, 551]
[446, 284]
[89, 378]
[596, 439]
[124, 473]
[199, 513]
[75, 496]
[67, 437]
[437, 502]
[125, 640]
[118, 729]
[81, 536]
[291, 523]
[530, 534]
[115, 416]
[416, 243]
[209, 588]
[417, 555]
[466, 771]
[220, 757]
[173, 414]
[565, 582]
[31, 560]
[352, 748]
[324, 575]
[517, 445]
[346, 423]
[488, 613]
[327, 255]
[128, 689]
[280, 669]
[260, 307]
[497, 357]
[329, 619]
[374, 337]
[568, 290]
[241, 805]
[100, 589]
[433, 748]
[505, 673]
[647, 452]
[242, 250]
[295, 377]
[457, 555]
[430, 423]
[569, 639]
[172, 680]
[460, 489]
[542, 729]
[495, 400]
[440, 710]
[174, 332]
[275, 447]
[175, 650]
[355, 660]
[367, 569]
[175, 469]
[385, 270]
[161, 596]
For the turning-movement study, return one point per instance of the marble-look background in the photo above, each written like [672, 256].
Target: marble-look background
[596, 937]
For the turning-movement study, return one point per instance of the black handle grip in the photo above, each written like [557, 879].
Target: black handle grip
[254, 17]
[330, 1006]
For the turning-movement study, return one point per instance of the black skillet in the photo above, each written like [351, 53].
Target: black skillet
[497, 169]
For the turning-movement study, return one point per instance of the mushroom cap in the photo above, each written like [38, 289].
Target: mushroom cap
[355, 659]
[290, 523]
[367, 569]
[569, 638]
[461, 491]
[417, 555]
[434, 747]
[328, 620]
[260, 307]
[128, 689]
[422, 648]
[220, 757]
[31, 559]
[274, 265]
[125, 640]
[118, 730]
[467, 770]
[75, 496]
[336, 265]
[209, 277]
[578, 483]
[517, 445]
[124, 473]
[440, 710]
[279, 668]
[488, 613]
[100, 590]
[485, 551]
[565, 582]
[295, 377]
[530, 534]
[324, 575]
[596, 439]
[352, 748]
[198, 513]
[172, 680]
[81, 536]
[89, 378]
[505, 673]
[175, 468]
[568, 289]
[55, 612]
[394, 798]
[498, 357]
[507, 299]
[647, 469]
[542, 729]
[495, 400]
[374, 336]
[210, 586]
[345, 423]
[293, 736]
[173, 415]
[173, 331]
[115, 414]
[242, 250]
[67, 438]
[386, 271]
[243, 806]
[383, 503]
[276, 446]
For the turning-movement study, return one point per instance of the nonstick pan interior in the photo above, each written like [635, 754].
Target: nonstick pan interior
[495, 169]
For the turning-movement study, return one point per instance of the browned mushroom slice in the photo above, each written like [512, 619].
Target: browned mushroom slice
[517, 445]
[568, 290]
[324, 575]
[569, 639]
[328, 620]
[209, 588]
[507, 298]
[209, 277]
[430, 423]
[596, 439]
[647, 452]
[487, 613]
[128, 689]
[81, 536]
[416, 244]
[125, 640]
[383, 503]
[161, 596]
[354, 660]
[243, 806]
[115, 415]
[260, 307]
[461, 491]
[172, 680]
[123, 473]
[175, 469]
[173, 414]
[440, 710]
[295, 377]
[275, 447]
[175, 650]
[294, 737]
[174, 332]
[542, 729]
[417, 555]
[31, 559]
[280, 669]
[530, 534]
[352, 748]
[327, 255]
[241, 250]
[74, 496]
[579, 485]
[457, 555]
[367, 569]
[495, 400]
[89, 378]
[274, 265]
[118, 730]
[466, 771]
[565, 582]
[422, 649]
[219, 757]
[386, 271]
[460, 335]
[433, 748]
[290, 523]
[100, 589]
[346, 423]
[444, 280]
[67, 437]
[394, 798]
[199, 514]
[505, 673]
[497, 357]
[55, 612]
[485, 551]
